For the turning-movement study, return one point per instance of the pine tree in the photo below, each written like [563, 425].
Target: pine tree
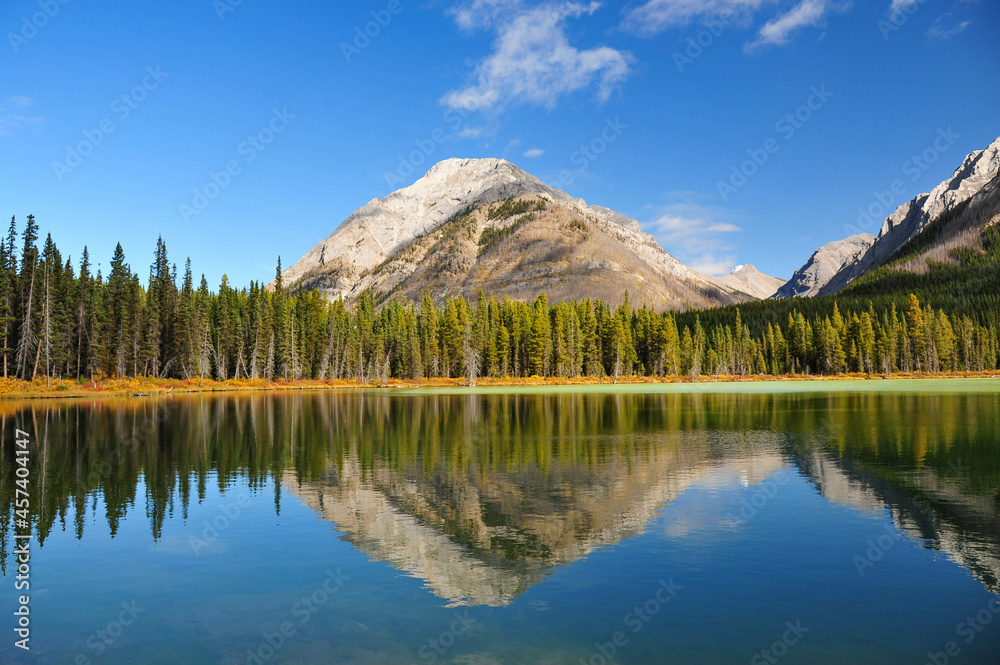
[539, 346]
[916, 335]
[8, 285]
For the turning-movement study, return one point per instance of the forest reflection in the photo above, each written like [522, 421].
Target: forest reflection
[480, 495]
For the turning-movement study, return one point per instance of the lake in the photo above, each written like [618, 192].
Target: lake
[760, 523]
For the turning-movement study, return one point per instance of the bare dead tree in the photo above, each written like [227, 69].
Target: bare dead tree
[204, 362]
[48, 327]
[28, 337]
[255, 357]
[473, 360]
[269, 365]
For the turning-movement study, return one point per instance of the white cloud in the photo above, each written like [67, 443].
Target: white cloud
[658, 15]
[710, 264]
[534, 152]
[806, 13]
[900, 5]
[471, 132]
[697, 235]
[12, 121]
[940, 32]
[482, 13]
[533, 61]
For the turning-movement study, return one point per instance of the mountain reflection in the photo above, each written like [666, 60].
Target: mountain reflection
[482, 537]
[480, 496]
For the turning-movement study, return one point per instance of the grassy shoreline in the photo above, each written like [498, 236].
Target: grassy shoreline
[15, 389]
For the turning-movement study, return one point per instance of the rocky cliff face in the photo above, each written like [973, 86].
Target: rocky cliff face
[485, 223]
[749, 280]
[910, 219]
[859, 254]
[825, 263]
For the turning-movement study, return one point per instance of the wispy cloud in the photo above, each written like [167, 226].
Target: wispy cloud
[807, 13]
[900, 5]
[710, 264]
[945, 27]
[655, 16]
[14, 116]
[658, 15]
[697, 235]
[534, 152]
[533, 61]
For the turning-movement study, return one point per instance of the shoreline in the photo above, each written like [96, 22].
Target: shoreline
[14, 389]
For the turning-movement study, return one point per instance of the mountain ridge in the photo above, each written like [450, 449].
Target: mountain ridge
[485, 223]
[817, 276]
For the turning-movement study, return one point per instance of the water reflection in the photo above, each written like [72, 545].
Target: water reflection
[481, 496]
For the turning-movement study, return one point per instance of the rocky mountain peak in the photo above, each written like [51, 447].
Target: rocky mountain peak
[825, 263]
[837, 264]
[747, 279]
[485, 223]
[977, 169]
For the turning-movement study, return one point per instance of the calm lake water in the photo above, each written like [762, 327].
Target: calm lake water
[563, 527]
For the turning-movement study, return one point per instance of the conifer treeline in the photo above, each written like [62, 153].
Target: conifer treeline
[57, 321]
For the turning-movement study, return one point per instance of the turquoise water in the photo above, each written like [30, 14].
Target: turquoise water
[511, 528]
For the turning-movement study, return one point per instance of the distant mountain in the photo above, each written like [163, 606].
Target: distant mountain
[485, 223]
[825, 263]
[909, 221]
[751, 281]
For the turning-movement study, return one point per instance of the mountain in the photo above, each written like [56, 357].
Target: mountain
[485, 223]
[825, 263]
[978, 170]
[954, 260]
[751, 281]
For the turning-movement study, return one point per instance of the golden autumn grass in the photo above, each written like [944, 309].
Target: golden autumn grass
[39, 388]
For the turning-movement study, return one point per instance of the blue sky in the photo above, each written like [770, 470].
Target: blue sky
[735, 131]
